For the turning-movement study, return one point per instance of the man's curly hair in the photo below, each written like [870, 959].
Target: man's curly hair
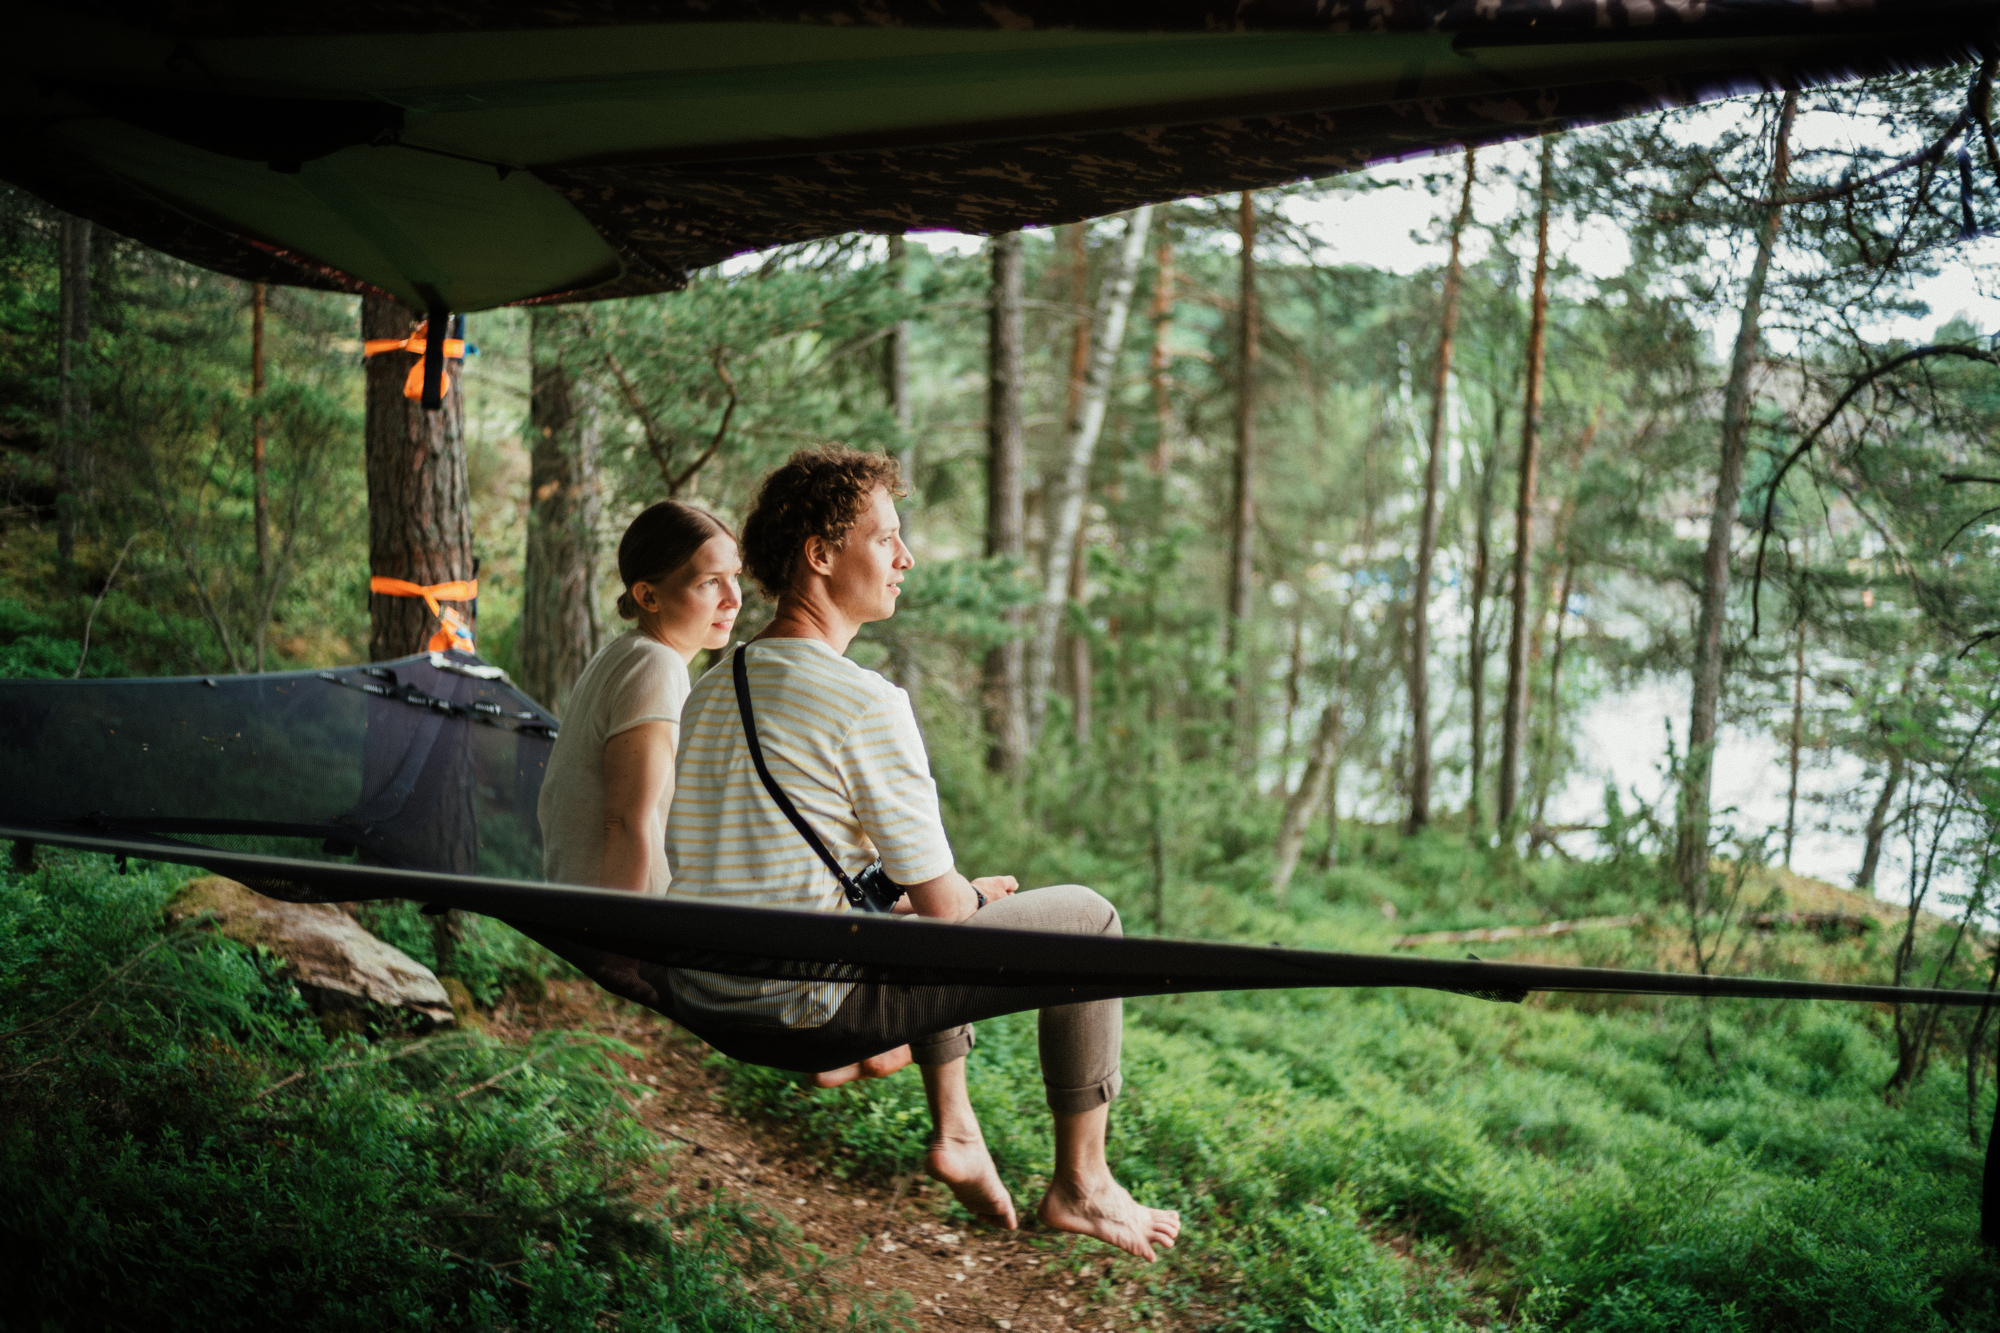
[818, 492]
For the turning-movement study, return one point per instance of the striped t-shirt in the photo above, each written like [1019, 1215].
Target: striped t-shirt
[843, 744]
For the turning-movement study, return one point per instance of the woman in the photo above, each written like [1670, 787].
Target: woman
[610, 780]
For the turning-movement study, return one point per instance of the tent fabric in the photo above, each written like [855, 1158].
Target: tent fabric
[477, 155]
[431, 762]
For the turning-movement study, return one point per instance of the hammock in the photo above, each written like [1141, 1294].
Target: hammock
[418, 779]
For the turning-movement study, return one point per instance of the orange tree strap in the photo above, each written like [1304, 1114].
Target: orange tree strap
[456, 633]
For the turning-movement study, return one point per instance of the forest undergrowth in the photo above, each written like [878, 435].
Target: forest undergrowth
[1376, 1160]
[183, 1146]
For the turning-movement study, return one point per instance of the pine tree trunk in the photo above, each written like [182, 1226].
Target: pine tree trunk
[1114, 307]
[559, 581]
[260, 496]
[1878, 824]
[1006, 444]
[1552, 725]
[896, 371]
[1323, 759]
[1475, 651]
[1427, 535]
[419, 505]
[1243, 501]
[1160, 362]
[1514, 721]
[1798, 737]
[72, 402]
[1691, 849]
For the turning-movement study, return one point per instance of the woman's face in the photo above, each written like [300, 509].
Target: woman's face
[695, 606]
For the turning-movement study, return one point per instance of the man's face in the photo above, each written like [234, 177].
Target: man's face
[869, 565]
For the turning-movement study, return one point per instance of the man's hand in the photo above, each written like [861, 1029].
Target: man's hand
[996, 887]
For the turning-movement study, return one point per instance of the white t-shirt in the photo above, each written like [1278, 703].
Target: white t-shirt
[633, 679]
[843, 743]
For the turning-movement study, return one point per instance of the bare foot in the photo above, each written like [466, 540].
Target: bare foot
[966, 1167]
[1101, 1208]
[875, 1066]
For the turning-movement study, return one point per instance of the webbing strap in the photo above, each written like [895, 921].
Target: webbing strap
[456, 631]
[855, 898]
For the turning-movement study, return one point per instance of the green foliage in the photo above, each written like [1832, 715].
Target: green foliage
[1364, 1160]
[182, 1148]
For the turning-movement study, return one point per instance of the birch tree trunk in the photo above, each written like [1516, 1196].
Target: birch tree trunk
[1797, 740]
[419, 502]
[1691, 848]
[559, 577]
[1475, 650]
[1514, 723]
[1427, 534]
[72, 402]
[1114, 306]
[1243, 504]
[1006, 443]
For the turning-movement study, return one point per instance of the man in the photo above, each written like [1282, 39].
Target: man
[824, 540]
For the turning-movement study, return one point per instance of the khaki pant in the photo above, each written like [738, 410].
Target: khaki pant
[1079, 1035]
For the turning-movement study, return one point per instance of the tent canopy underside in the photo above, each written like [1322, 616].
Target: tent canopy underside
[473, 158]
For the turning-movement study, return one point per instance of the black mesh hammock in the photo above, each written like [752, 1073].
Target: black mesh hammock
[418, 779]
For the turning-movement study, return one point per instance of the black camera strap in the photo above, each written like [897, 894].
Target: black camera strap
[855, 897]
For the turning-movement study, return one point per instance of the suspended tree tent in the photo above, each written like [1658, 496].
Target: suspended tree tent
[461, 157]
[474, 155]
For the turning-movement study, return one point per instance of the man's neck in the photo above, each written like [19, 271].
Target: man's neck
[809, 616]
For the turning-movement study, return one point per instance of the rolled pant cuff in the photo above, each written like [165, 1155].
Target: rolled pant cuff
[941, 1048]
[1075, 1101]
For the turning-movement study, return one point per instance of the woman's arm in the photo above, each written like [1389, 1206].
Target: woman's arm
[638, 775]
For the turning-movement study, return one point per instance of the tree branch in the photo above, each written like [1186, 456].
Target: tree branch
[1860, 382]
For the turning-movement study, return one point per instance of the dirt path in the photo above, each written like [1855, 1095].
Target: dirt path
[958, 1277]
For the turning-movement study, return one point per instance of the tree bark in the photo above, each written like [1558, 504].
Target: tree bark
[1552, 725]
[1323, 759]
[1691, 849]
[1006, 444]
[1076, 645]
[419, 503]
[1243, 504]
[1798, 737]
[1160, 362]
[260, 495]
[896, 373]
[1427, 535]
[72, 401]
[1878, 824]
[1475, 651]
[560, 574]
[1515, 720]
[1114, 306]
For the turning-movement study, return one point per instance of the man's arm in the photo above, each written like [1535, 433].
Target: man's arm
[953, 897]
[638, 774]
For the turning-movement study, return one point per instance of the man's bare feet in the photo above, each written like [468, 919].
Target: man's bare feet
[966, 1167]
[875, 1066]
[1100, 1207]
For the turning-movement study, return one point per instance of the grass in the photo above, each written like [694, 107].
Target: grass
[183, 1147]
[1370, 1160]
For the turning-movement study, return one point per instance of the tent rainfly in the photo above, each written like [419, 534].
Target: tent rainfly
[462, 157]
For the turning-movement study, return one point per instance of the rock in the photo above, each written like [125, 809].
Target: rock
[340, 969]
